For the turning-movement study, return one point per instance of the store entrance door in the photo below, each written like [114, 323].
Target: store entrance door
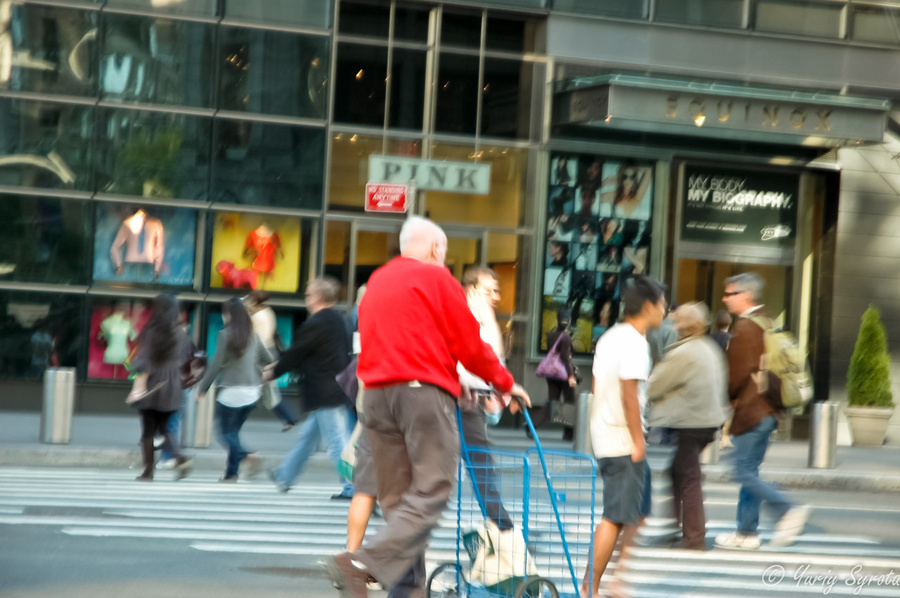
[704, 280]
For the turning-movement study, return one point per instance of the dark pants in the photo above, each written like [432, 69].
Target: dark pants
[231, 419]
[556, 391]
[155, 423]
[474, 431]
[686, 489]
[415, 447]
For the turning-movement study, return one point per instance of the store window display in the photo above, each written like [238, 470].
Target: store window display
[114, 330]
[250, 252]
[597, 237]
[145, 244]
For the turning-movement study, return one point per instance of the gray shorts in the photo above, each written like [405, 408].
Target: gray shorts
[624, 496]
[365, 480]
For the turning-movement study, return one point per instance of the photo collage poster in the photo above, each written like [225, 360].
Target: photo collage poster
[598, 236]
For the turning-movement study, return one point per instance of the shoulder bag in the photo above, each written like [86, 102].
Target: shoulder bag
[551, 366]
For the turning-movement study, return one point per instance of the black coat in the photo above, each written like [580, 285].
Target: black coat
[321, 351]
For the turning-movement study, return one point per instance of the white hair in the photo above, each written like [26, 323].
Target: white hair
[691, 319]
[416, 230]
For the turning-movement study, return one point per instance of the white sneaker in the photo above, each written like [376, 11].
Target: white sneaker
[737, 540]
[169, 464]
[790, 526]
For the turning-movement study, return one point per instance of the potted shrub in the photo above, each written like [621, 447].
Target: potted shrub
[869, 401]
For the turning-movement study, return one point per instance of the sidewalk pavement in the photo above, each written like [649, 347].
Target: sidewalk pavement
[112, 441]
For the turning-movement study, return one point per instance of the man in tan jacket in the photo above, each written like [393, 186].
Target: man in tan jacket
[753, 423]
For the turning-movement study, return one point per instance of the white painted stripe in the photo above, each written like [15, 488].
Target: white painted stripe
[6, 511]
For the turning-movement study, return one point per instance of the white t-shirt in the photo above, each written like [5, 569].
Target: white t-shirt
[621, 354]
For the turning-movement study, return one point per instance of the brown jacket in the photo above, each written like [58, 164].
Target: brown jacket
[744, 352]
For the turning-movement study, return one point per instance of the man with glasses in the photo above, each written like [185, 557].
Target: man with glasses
[754, 421]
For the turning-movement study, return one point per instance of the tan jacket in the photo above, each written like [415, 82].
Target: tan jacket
[689, 387]
[744, 352]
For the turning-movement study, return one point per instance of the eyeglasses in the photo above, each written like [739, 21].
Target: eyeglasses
[731, 293]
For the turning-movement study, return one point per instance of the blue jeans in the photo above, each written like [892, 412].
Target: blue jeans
[231, 419]
[329, 424]
[749, 452]
[174, 428]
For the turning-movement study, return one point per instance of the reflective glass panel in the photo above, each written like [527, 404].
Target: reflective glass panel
[461, 30]
[152, 154]
[501, 206]
[457, 94]
[301, 13]
[802, 18]
[411, 24]
[876, 24]
[187, 8]
[360, 86]
[46, 145]
[510, 35]
[268, 164]
[45, 49]
[256, 251]
[44, 239]
[508, 255]
[462, 251]
[40, 330]
[633, 9]
[407, 89]
[157, 61]
[364, 18]
[713, 13]
[350, 164]
[506, 98]
[337, 253]
[271, 72]
[373, 250]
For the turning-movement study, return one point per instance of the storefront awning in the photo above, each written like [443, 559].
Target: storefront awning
[704, 109]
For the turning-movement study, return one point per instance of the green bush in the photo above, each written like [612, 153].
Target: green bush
[869, 376]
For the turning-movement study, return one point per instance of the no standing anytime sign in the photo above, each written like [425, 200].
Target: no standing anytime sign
[382, 197]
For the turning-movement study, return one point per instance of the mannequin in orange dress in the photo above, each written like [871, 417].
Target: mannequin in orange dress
[265, 244]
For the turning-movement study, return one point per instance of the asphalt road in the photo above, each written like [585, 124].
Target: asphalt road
[96, 534]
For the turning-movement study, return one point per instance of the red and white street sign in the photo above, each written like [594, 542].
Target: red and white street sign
[384, 197]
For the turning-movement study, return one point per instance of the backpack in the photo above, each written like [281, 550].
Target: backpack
[789, 381]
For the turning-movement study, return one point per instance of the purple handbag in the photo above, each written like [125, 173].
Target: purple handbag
[551, 366]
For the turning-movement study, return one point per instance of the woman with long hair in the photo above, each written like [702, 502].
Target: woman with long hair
[163, 348]
[236, 367]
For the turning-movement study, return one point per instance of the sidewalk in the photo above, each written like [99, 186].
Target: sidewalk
[111, 441]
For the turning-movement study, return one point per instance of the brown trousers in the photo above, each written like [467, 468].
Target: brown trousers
[415, 446]
[686, 484]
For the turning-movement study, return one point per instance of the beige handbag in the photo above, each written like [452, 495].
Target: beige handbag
[139, 389]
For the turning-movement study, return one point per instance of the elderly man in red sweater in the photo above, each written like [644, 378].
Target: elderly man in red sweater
[414, 325]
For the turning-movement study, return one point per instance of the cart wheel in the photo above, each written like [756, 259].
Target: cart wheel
[536, 587]
[447, 581]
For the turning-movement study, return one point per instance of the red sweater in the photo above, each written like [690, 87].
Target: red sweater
[414, 324]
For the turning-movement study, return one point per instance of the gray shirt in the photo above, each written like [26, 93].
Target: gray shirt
[689, 388]
[229, 370]
[661, 339]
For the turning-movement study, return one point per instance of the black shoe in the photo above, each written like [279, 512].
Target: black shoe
[341, 496]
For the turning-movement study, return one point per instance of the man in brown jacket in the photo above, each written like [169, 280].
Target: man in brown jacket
[753, 423]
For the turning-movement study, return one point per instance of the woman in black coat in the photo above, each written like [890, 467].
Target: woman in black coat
[163, 349]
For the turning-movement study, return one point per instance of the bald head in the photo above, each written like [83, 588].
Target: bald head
[423, 240]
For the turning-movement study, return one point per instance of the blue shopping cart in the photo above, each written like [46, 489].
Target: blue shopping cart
[520, 532]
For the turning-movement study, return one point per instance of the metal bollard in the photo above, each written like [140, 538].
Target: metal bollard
[188, 419]
[823, 435]
[59, 403]
[204, 409]
[583, 424]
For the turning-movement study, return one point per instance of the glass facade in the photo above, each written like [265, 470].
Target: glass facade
[205, 148]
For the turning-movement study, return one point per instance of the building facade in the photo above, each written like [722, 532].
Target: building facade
[205, 147]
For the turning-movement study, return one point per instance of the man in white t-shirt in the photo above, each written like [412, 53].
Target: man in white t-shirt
[621, 369]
